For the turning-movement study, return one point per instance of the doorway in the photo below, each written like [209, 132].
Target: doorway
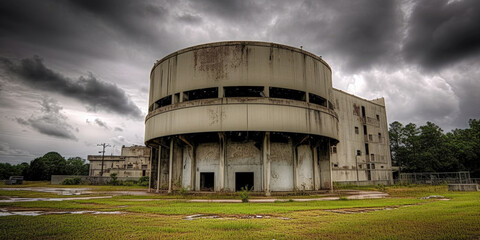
[207, 181]
[242, 180]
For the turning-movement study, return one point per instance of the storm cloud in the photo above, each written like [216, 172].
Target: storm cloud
[87, 89]
[51, 122]
[443, 32]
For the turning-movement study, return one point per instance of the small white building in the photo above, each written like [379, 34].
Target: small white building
[133, 162]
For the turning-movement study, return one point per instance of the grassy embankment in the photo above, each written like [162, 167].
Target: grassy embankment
[409, 217]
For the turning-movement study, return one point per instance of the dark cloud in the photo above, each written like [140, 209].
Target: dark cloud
[358, 34]
[442, 32]
[51, 122]
[95, 93]
[101, 123]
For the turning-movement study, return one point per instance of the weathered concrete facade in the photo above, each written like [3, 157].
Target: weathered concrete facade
[232, 114]
[133, 162]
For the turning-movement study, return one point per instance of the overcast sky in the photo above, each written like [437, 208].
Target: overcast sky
[75, 73]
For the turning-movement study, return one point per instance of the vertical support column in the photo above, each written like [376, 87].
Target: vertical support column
[266, 163]
[150, 173]
[170, 167]
[158, 167]
[294, 166]
[221, 164]
[193, 168]
[316, 175]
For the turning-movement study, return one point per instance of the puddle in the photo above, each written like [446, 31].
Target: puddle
[208, 216]
[13, 200]
[58, 191]
[438, 197]
[359, 210]
[5, 212]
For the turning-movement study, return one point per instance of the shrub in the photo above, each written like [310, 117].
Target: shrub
[183, 191]
[114, 179]
[72, 181]
[143, 181]
[343, 198]
[244, 194]
[380, 187]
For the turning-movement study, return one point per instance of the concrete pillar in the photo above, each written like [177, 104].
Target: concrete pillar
[170, 167]
[150, 167]
[316, 175]
[294, 151]
[221, 164]
[193, 168]
[266, 163]
[158, 167]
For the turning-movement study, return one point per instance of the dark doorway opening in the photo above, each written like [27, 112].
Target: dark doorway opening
[207, 181]
[242, 180]
[144, 172]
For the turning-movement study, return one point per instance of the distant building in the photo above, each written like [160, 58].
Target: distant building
[133, 162]
[227, 115]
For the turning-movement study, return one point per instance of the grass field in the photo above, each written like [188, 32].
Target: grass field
[403, 215]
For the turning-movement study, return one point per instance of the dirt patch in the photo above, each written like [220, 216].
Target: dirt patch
[359, 210]
[231, 217]
[13, 212]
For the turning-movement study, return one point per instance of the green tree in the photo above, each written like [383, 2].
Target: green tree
[51, 163]
[76, 166]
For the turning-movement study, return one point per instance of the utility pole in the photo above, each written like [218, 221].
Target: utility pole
[104, 145]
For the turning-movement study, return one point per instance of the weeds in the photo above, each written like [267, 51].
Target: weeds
[244, 194]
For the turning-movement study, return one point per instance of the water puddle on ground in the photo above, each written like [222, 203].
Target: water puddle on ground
[6, 212]
[209, 216]
[15, 199]
[359, 210]
[58, 191]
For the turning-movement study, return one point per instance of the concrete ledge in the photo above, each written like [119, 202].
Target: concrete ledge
[463, 187]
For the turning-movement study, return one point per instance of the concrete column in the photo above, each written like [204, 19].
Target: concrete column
[158, 167]
[316, 175]
[150, 167]
[170, 167]
[266, 163]
[294, 166]
[193, 168]
[221, 165]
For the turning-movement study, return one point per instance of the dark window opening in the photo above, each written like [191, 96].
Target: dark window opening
[279, 137]
[363, 111]
[244, 91]
[176, 98]
[381, 166]
[207, 181]
[334, 149]
[360, 166]
[144, 172]
[335, 165]
[130, 166]
[366, 149]
[313, 98]
[330, 105]
[200, 94]
[164, 101]
[287, 93]
[364, 129]
[378, 117]
[243, 180]
[359, 153]
[356, 130]
[370, 137]
[372, 157]
[373, 165]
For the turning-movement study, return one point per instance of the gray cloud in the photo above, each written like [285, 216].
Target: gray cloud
[101, 123]
[95, 93]
[118, 129]
[51, 122]
[442, 32]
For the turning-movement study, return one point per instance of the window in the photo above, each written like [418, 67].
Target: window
[287, 93]
[356, 130]
[372, 157]
[379, 137]
[373, 165]
[243, 91]
[129, 166]
[360, 165]
[378, 117]
[200, 94]
[359, 153]
[364, 129]
[335, 165]
[366, 149]
[363, 111]
[317, 99]
[334, 149]
[164, 101]
[370, 137]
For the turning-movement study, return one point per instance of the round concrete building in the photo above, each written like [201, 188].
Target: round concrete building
[227, 115]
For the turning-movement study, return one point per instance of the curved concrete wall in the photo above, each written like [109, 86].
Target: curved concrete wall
[227, 64]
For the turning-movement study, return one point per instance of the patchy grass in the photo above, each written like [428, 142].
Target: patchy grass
[458, 218]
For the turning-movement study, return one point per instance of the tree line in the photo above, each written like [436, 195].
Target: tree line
[428, 149]
[43, 167]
